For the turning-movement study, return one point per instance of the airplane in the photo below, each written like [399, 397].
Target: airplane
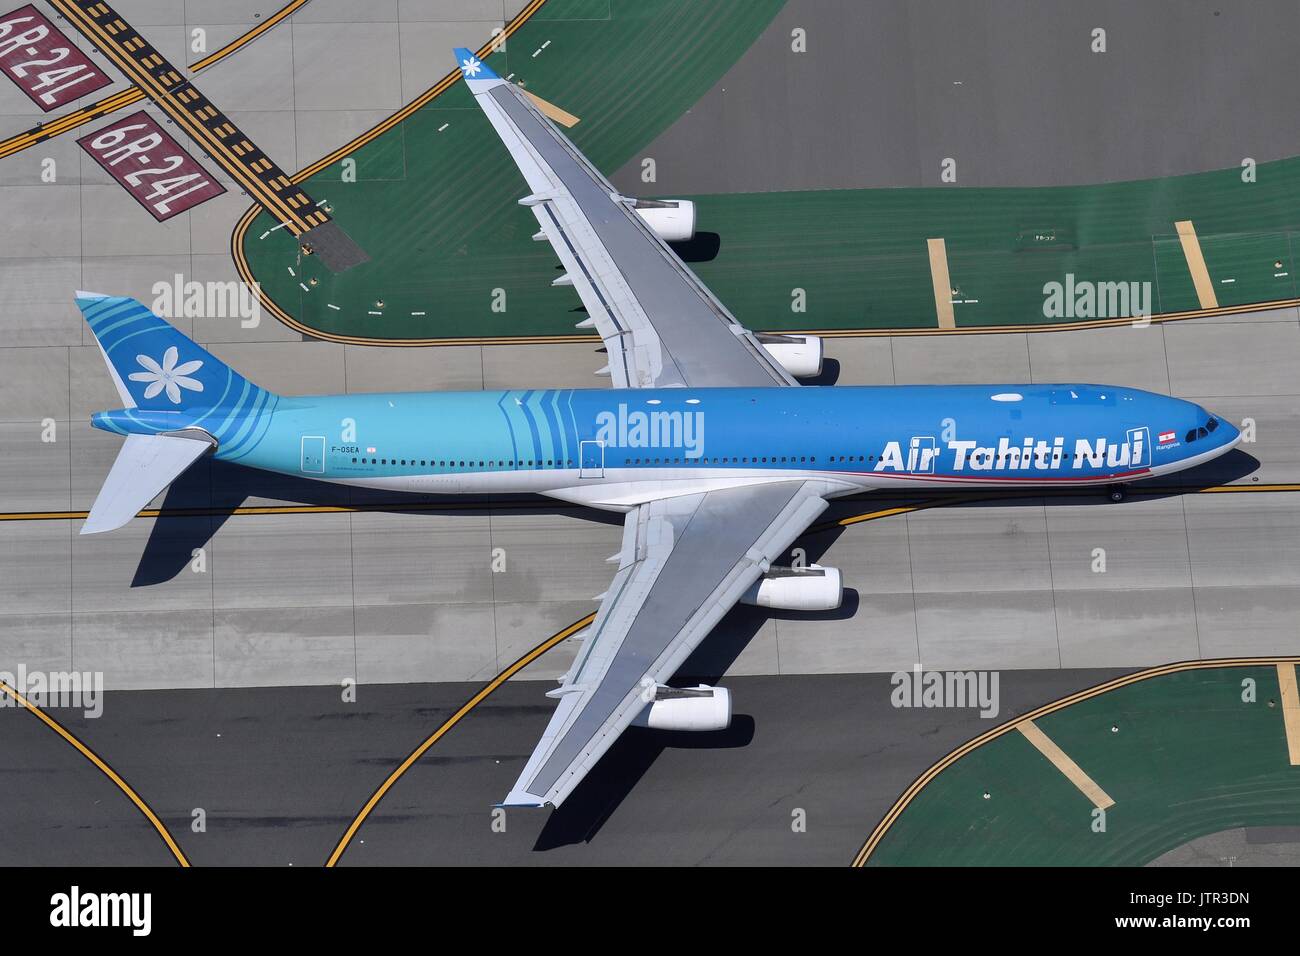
[708, 444]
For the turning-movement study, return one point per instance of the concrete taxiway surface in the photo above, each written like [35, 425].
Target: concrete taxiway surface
[388, 596]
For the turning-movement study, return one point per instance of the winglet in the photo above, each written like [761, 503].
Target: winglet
[476, 73]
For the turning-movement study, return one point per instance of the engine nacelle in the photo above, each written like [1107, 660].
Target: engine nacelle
[701, 708]
[800, 355]
[813, 588]
[673, 220]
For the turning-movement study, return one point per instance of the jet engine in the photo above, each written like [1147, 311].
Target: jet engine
[673, 220]
[701, 708]
[813, 588]
[800, 355]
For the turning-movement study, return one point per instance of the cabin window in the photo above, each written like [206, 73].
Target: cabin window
[354, 461]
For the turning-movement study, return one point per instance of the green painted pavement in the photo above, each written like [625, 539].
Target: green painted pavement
[437, 210]
[436, 207]
[1189, 758]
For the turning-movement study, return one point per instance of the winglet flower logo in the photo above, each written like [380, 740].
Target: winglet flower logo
[471, 67]
[168, 375]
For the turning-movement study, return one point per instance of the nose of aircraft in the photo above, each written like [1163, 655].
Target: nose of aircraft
[1213, 431]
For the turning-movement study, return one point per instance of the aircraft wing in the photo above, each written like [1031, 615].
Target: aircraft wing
[684, 562]
[661, 326]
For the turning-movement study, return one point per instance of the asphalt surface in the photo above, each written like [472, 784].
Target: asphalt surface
[1009, 89]
[389, 598]
[807, 769]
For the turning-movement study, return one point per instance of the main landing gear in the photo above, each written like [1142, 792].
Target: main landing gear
[1116, 492]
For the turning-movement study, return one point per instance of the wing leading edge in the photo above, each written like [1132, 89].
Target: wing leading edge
[661, 326]
[684, 563]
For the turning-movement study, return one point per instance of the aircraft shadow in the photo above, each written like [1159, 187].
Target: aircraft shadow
[703, 247]
[205, 497]
[595, 800]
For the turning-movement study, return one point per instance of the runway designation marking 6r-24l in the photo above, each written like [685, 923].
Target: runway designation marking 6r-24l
[151, 166]
[43, 62]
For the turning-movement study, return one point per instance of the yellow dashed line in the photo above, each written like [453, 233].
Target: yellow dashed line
[942, 285]
[1290, 710]
[563, 117]
[1196, 265]
[925, 779]
[1062, 762]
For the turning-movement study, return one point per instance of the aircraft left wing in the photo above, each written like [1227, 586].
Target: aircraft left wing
[683, 564]
[660, 324]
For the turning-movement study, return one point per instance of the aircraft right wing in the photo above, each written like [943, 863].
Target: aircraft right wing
[660, 324]
[684, 562]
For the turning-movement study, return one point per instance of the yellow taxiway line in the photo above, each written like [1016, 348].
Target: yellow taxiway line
[484, 692]
[1062, 762]
[926, 778]
[74, 120]
[103, 767]
[1290, 710]
[124, 98]
[1196, 265]
[398, 507]
[428, 96]
[938, 251]
[287, 10]
[563, 117]
[509, 672]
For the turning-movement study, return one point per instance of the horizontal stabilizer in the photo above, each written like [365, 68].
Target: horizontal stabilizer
[145, 466]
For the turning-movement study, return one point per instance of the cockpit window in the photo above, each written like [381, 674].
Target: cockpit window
[1212, 424]
[1190, 436]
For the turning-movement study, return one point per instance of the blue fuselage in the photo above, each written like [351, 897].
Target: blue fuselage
[550, 440]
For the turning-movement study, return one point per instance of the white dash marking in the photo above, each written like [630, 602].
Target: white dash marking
[443, 127]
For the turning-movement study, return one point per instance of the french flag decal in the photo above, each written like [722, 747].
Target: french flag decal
[1166, 438]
